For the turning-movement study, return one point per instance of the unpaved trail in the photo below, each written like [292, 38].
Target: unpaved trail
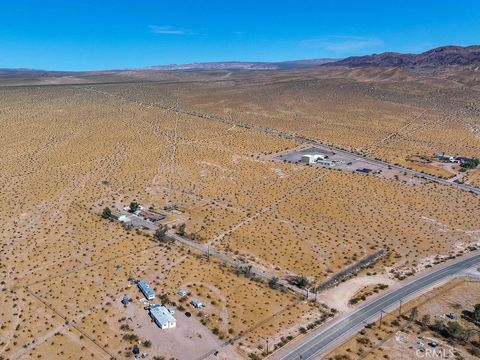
[339, 296]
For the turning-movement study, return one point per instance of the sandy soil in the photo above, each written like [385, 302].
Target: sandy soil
[70, 150]
[339, 296]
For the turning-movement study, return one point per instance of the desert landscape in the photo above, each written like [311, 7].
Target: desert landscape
[253, 237]
[436, 323]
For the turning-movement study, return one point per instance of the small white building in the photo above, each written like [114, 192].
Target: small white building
[312, 158]
[163, 317]
[196, 303]
[125, 219]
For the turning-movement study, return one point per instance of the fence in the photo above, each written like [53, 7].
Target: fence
[351, 270]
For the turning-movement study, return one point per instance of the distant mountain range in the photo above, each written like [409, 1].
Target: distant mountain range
[239, 65]
[32, 72]
[226, 65]
[436, 58]
[442, 57]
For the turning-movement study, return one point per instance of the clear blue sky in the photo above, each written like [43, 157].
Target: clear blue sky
[114, 34]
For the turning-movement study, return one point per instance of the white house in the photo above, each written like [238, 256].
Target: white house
[163, 317]
[312, 158]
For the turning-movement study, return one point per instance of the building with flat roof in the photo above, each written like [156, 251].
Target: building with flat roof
[312, 158]
[162, 316]
[146, 290]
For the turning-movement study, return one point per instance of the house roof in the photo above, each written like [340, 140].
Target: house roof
[145, 288]
[161, 314]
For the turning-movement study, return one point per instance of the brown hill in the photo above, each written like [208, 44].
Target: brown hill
[435, 58]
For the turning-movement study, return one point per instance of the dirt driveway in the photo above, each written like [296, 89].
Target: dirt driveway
[189, 340]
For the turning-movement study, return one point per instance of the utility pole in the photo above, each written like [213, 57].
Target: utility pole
[400, 308]
[208, 252]
[267, 345]
[381, 317]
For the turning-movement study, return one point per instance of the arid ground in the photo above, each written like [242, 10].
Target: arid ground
[424, 320]
[71, 146]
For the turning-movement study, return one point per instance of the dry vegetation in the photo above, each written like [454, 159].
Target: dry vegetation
[69, 150]
[383, 116]
[397, 336]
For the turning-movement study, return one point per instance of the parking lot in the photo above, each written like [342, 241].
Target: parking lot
[347, 162]
[340, 161]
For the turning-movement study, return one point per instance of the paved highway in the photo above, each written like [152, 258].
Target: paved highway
[348, 326]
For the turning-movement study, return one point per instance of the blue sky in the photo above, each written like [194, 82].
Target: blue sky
[117, 34]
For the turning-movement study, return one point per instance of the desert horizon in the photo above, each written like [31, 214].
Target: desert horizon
[325, 208]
